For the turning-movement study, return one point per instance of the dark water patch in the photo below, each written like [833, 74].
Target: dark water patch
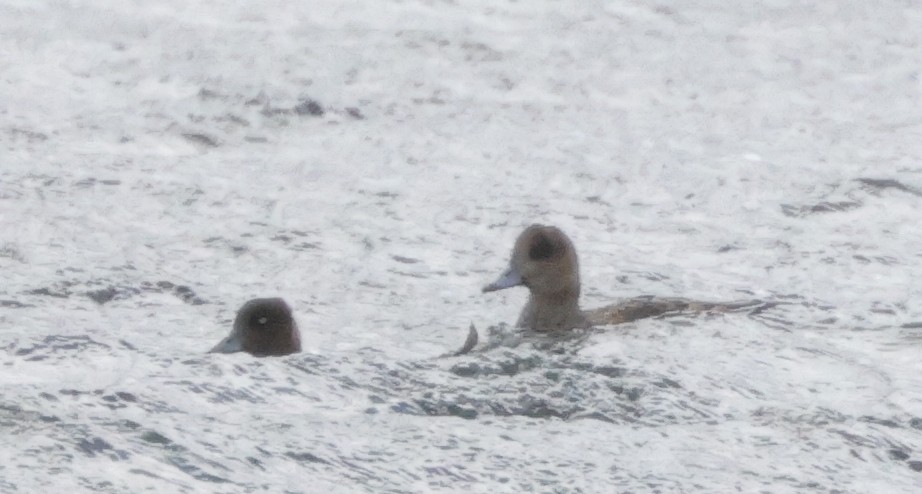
[118, 400]
[501, 337]
[543, 377]
[156, 438]
[14, 416]
[872, 186]
[786, 312]
[96, 485]
[93, 446]
[287, 390]
[206, 94]
[647, 275]
[879, 421]
[73, 342]
[355, 471]
[222, 394]
[821, 417]
[27, 135]
[438, 408]
[795, 211]
[915, 465]
[53, 344]
[631, 393]
[186, 294]
[509, 366]
[145, 473]
[181, 292]
[110, 292]
[233, 119]
[73, 392]
[202, 139]
[885, 260]
[855, 439]
[12, 304]
[127, 425]
[312, 364]
[449, 473]
[305, 457]
[408, 274]
[308, 106]
[114, 401]
[295, 240]
[103, 291]
[898, 454]
[256, 463]
[604, 370]
[566, 399]
[597, 200]
[91, 181]
[762, 308]
[294, 243]
[260, 99]
[232, 246]
[536, 407]
[194, 471]
[879, 184]
[57, 292]
[98, 446]
[226, 111]
[665, 382]
[103, 295]
[601, 417]
[10, 251]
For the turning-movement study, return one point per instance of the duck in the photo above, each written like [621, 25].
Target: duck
[544, 260]
[263, 327]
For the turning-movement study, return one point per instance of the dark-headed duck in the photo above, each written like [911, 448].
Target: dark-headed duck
[544, 260]
[263, 327]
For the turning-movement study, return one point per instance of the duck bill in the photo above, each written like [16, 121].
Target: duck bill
[508, 279]
[231, 344]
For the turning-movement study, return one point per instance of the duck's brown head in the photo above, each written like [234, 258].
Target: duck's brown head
[544, 260]
[263, 327]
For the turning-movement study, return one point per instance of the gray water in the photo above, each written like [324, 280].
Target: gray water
[372, 163]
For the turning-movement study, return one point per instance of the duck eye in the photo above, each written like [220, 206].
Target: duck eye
[541, 249]
[259, 321]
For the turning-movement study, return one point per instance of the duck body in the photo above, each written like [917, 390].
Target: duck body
[544, 260]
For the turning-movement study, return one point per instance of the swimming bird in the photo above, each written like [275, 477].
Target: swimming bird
[263, 327]
[544, 260]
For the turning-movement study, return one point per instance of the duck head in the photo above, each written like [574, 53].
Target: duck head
[263, 327]
[543, 260]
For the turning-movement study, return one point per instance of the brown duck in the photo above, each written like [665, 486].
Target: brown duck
[544, 260]
[263, 327]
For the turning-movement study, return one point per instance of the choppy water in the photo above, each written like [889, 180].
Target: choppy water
[373, 162]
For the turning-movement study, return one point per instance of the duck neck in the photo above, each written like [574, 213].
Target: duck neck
[553, 311]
